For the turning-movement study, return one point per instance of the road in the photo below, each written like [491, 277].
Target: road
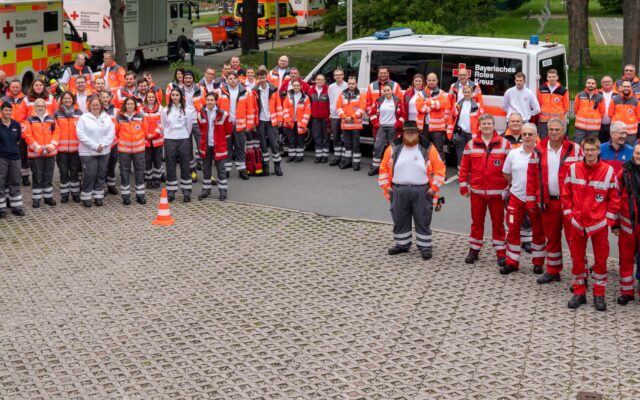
[607, 31]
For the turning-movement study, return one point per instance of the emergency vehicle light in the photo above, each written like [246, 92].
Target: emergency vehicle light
[392, 32]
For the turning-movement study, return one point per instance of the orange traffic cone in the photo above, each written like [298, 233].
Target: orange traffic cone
[164, 214]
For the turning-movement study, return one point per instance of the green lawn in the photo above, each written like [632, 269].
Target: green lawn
[209, 19]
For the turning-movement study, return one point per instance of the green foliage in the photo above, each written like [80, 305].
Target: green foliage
[335, 16]
[613, 6]
[197, 73]
[422, 27]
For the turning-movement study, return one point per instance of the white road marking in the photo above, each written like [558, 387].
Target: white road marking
[595, 20]
[453, 178]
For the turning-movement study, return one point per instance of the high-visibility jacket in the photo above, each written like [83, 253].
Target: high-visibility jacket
[626, 110]
[629, 196]
[434, 165]
[150, 123]
[589, 109]
[481, 167]
[16, 113]
[244, 106]
[474, 114]
[274, 77]
[302, 110]
[635, 86]
[222, 129]
[286, 86]
[170, 87]
[66, 130]
[26, 106]
[456, 87]
[351, 104]
[114, 78]
[552, 105]
[130, 133]
[319, 102]
[421, 105]
[538, 171]
[275, 105]
[438, 104]
[374, 118]
[40, 134]
[374, 90]
[155, 89]
[122, 94]
[74, 72]
[590, 198]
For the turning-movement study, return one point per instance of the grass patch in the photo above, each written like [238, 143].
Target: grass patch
[209, 19]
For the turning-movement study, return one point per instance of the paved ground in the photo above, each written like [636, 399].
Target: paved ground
[247, 302]
[607, 30]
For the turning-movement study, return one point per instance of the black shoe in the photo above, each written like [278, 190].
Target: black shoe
[265, 170]
[171, 196]
[36, 204]
[334, 162]
[204, 194]
[3, 214]
[26, 181]
[502, 262]
[163, 178]
[64, 198]
[526, 247]
[199, 165]
[112, 190]
[318, 160]
[472, 257]
[373, 171]
[576, 301]
[298, 159]
[126, 201]
[624, 299]
[186, 199]
[277, 169]
[290, 159]
[87, 203]
[324, 160]
[18, 211]
[243, 175]
[507, 269]
[99, 202]
[141, 200]
[396, 250]
[194, 176]
[75, 197]
[356, 166]
[548, 278]
[344, 164]
[223, 195]
[599, 303]
[426, 254]
[537, 269]
[50, 202]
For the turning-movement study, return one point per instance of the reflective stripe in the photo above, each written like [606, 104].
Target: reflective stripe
[538, 253]
[530, 198]
[611, 215]
[402, 242]
[597, 226]
[566, 212]
[625, 219]
[559, 254]
[513, 256]
[402, 235]
[626, 278]
[554, 262]
[626, 229]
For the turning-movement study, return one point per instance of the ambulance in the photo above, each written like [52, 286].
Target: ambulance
[267, 18]
[492, 62]
[34, 35]
[309, 13]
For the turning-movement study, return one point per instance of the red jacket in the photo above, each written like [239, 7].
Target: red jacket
[222, 129]
[374, 118]
[481, 167]
[628, 206]
[319, 102]
[538, 171]
[590, 197]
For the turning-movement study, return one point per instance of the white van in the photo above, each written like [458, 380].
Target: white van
[492, 62]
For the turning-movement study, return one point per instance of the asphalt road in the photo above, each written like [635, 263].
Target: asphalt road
[607, 31]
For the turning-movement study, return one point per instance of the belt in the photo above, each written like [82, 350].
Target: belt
[401, 185]
[554, 197]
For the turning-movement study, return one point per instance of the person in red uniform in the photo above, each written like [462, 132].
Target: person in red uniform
[319, 98]
[590, 201]
[481, 179]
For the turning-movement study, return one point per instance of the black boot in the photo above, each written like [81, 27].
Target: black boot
[277, 169]
[112, 190]
[373, 171]
[526, 247]
[334, 162]
[98, 202]
[199, 164]
[186, 198]
[599, 303]
[472, 256]
[126, 200]
[324, 160]
[64, 198]
[502, 262]
[299, 159]
[356, 166]
[243, 175]
[18, 211]
[50, 201]
[140, 199]
[507, 269]
[171, 196]
[290, 159]
[87, 203]
[204, 194]
[265, 169]
[427, 254]
[344, 164]
[318, 160]
[576, 301]
[396, 250]
[223, 195]
[75, 197]
[537, 269]
[25, 181]
[548, 278]
[624, 299]
[36, 204]
[3, 213]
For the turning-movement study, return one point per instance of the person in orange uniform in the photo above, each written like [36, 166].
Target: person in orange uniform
[128, 90]
[131, 148]
[296, 112]
[438, 104]
[375, 89]
[464, 121]
[456, 89]
[629, 74]
[590, 200]
[625, 107]
[235, 99]
[280, 73]
[481, 179]
[410, 177]
[68, 160]
[351, 107]
[268, 111]
[42, 141]
[79, 67]
[112, 73]
[589, 108]
[37, 90]
[154, 143]
[554, 101]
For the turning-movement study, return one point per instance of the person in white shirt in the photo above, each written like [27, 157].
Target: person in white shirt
[96, 132]
[82, 94]
[520, 99]
[213, 146]
[335, 89]
[606, 90]
[193, 101]
[387, 114]
[208, 82]
[176, 124]
[515, 172]
[269, 110]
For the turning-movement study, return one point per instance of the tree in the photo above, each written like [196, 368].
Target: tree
[117, 10]
[631, 32]
[249, 26]
[578, 33]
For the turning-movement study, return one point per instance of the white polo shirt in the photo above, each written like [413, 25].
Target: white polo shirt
[410, 168]
[553, 165]
[516, 165]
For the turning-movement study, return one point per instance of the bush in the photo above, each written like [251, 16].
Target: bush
[197, 73]
[334, 17]
[612, 6]
[422, 27]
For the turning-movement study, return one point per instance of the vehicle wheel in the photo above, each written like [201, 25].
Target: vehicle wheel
[138, 61]
[295, 31]
[26, 82]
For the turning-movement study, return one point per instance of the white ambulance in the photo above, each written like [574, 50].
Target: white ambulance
[309, 13]
[492, 63]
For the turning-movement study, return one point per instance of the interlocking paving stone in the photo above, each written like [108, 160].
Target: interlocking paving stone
[247, 302]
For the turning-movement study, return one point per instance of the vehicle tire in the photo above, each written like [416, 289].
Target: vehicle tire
[138, 61]
[27, 79]
[295, 31]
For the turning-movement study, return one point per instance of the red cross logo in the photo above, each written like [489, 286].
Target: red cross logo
[461, 66]
[74, 15]
[8, 30]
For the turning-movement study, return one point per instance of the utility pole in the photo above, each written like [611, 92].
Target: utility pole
[277, 20]
[349, 19]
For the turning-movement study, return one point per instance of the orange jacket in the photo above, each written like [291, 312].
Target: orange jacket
[434, 165]
[26, 106]
[243, 106]
[41, 136]
[75, 72]
[475, 113]
[15, 102]
[150, 123]
[437, 105]
[635, 86]
[589, 109]
[274, 77]
[481, 167]
[275, 105]
[455, 88]
[115, 77]
[421, 105]
[553, 105]
[374, 90]
[302, 112]
[351, 105]
[122, 94]
[66, 130]
[627, 110]
[130, 133]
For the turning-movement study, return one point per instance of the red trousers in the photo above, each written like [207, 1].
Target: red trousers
[479, 205]
[516, 211]
[627, 244]
[553, 222]
[578, 246]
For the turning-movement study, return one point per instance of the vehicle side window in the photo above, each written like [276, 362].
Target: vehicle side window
[404, 65]
[290, 10]
[348, 60]
[174, 11]
[282, 10]
[184, 10]
[493, 74]
[555, 62]
[69, 32]
[50, 21]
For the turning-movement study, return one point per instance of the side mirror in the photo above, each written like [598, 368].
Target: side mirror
[84, 36]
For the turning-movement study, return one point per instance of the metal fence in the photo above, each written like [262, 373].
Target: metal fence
[604, 61]
[269, 58]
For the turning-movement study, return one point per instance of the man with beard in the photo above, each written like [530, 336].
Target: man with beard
[625, 107]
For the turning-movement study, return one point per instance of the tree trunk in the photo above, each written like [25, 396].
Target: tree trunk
[631, 32]
[249, 26]
[117, 10]
[578, 12]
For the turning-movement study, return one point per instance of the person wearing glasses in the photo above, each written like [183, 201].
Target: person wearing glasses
[629, 74]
